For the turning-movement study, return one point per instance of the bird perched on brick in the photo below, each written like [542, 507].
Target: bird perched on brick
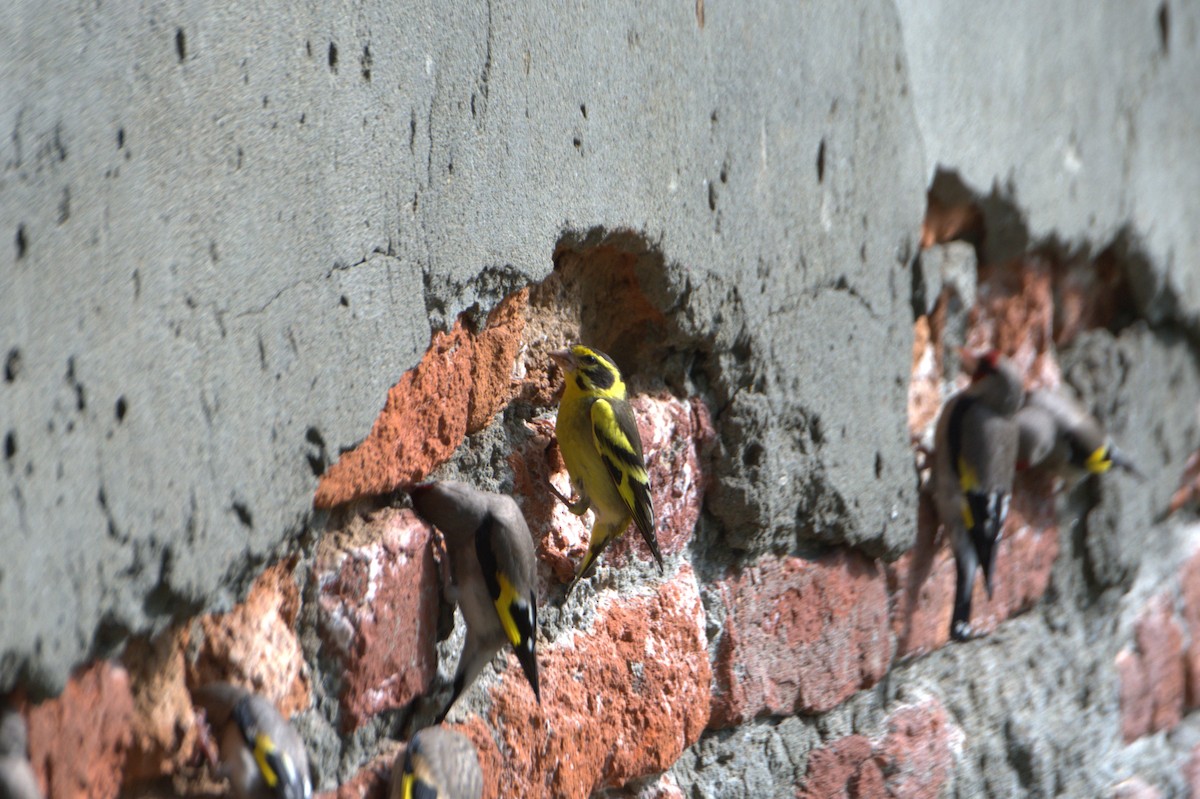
[974, 461]
[260, 753]
[16, 774]
[1057, 434]
[437, 764]
[494, 575]
[601, 446]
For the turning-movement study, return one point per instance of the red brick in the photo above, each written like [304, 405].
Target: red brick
[461, 382]
[1015, 314]
[255, 645]
[164, 731]
[1160, 644]
[1189, 578]
[620, 700]
[1152, 673]
[1189, 485]
[378, 600]
[78, 741]
[845, 769]
[1137, 705]
[1090, 294]
[913, 758]
[801, 636]
[925, 384]
[917, 752]
[676, 435]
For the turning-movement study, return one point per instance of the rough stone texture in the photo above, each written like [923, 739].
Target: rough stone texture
[255, 645]
[620, 700]
[371, 782]
[378, 593]
[800, 636]
[78, 741]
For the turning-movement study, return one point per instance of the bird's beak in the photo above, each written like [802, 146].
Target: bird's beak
[528, 662]
[564, 359]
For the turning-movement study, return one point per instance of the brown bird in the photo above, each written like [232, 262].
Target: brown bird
[974, 461]
[261, 754]
[437, 764]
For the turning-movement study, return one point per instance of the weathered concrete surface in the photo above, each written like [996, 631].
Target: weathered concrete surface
[230, 238]
[1079, 114]
[228, 235]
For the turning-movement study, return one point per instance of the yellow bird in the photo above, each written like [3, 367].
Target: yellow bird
[600, 444]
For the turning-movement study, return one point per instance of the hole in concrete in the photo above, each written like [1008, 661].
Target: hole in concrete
[878, 466]
[180, 44]
[308, 48]
[752, 455]
[22, 242]
[577, 142]
[342, 301]
[121, 409]
[821, 162]
[12, 365]
[10, 445]
[365, 61]
[80, 393]
[1164, 28]
[243, 514]
[333, 56]
[712, 196]
[583, 110]
[120, 138]
[317, 461]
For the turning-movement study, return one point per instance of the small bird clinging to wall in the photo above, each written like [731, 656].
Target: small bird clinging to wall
[261, 754]
[974, 461]
[1060, 436]
[601, 446]
[16, 774]
[437, 764]
[493, 569]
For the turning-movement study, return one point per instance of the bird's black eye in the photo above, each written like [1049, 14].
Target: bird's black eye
[590, 360]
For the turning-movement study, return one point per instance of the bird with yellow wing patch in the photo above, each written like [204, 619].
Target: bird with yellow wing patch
[600, 444]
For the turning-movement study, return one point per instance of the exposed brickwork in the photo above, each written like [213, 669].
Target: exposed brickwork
[255, 645]
[639, 674]
[164, 725]
[459, 385]
[378, 600]
[800, 636]
[914, 759]
[1152, 672]
[78, 741]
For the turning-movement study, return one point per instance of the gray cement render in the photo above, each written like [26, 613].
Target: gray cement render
[230, 229]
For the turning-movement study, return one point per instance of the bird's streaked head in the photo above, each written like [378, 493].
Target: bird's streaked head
[590, 371]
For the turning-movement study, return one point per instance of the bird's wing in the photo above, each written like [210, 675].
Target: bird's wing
[516, 613]
[615, 435]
